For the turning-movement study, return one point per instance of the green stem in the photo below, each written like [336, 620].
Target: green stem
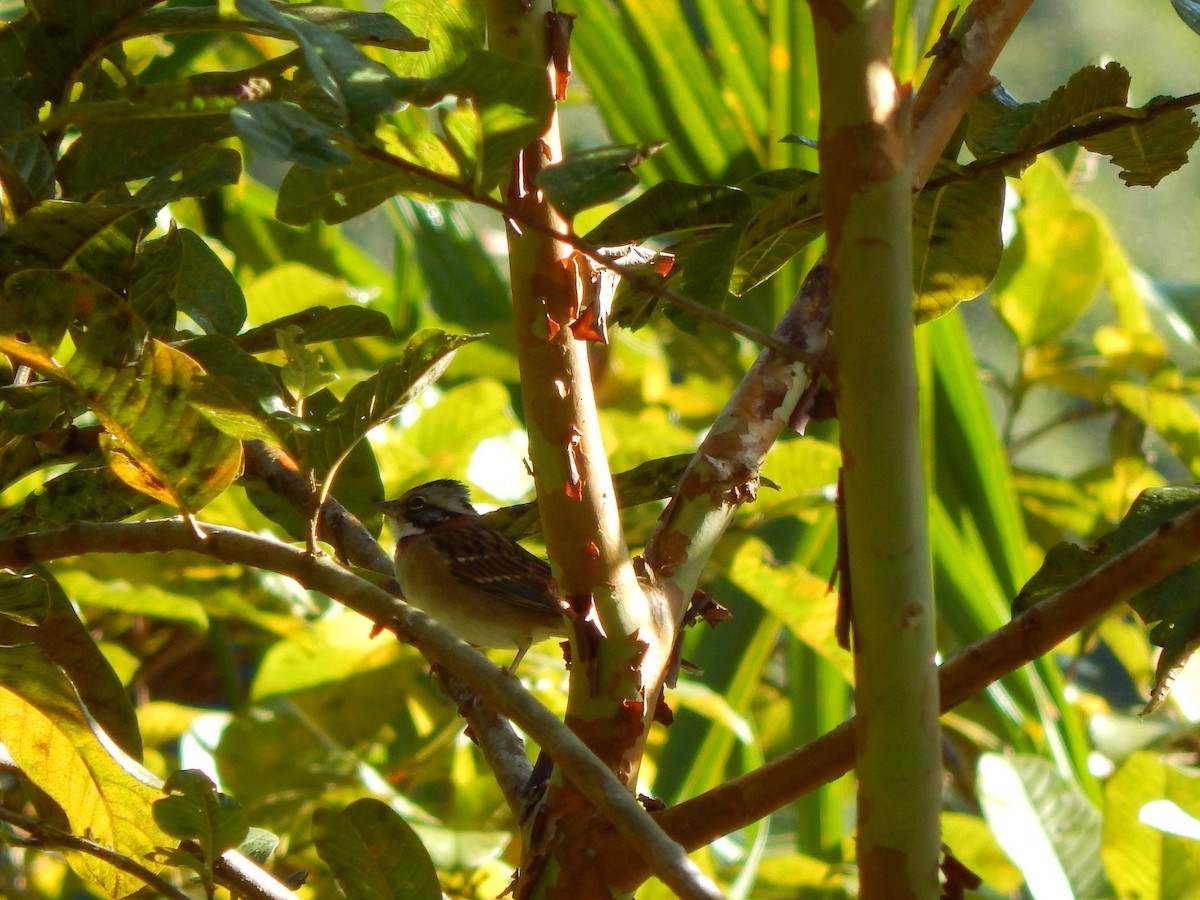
[867, 195]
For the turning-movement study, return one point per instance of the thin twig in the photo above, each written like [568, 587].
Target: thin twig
[48, 837]
[1070, 135]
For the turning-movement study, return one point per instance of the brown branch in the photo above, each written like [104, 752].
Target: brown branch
[661, 856]
[337, 525]
[48, 837]
[962, 68]
[750, 797]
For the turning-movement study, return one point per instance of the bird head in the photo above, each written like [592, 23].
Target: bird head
[427, 505]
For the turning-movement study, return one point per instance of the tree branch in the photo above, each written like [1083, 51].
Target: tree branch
[663, 857]
[750, 797]
[962, 68]
[48, 837]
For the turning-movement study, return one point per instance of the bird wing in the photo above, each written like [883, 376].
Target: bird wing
[484, 558]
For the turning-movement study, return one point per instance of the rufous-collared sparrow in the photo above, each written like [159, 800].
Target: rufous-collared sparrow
[482, 585]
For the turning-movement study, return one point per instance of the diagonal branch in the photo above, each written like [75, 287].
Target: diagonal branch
[755, 795]
[47, 837]
[662, 856]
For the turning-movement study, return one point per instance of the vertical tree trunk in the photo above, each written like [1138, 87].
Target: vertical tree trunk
[867, 185]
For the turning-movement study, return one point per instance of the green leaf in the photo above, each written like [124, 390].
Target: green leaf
[305, 371]
[57, 38]
[670, 207]
[69, 645]
[143, 140]
[195, 810]
[286, 131]
[197, 174]
[86, 239]
[1052, 270]
[239, 394]
[591, 177]
[373, 853]
[995, 123]
[336, 195]
[29, 156]
[786, 219]
[1045, 824]
[181, 272]
[373, 28]
[372, 402]
[1189, 11]
[1149, 151]
[1170, 605]
[46, 301]
[104, 794]
[316, 325]
[1065, 564]
[1141, 860]
[502, 106]
[154, 440]
[361, 87]
[1169, 411]
[259, 844]
[801, 600]
[705, 265]
[1087, 94]
[956, 242]
[90, 492]
[453, 29]
[24, 599]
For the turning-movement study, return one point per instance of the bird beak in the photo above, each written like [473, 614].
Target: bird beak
[389, 508]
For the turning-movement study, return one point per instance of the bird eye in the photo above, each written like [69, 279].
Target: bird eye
[416, 503]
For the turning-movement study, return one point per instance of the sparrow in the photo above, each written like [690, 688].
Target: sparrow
[480, 584]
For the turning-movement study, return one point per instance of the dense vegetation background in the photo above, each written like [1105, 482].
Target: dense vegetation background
[254, 256]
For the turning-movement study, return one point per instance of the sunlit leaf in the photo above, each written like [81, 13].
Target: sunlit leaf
[453, 29]
[68, 644]
[779, 228]
[372, 402]
[801, 600]
[1044, 823]
[1052, 271]
[103, 793]
[1088, 93]
[956, 242]
[239, 394]
[669, 207]
[1142, 860]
